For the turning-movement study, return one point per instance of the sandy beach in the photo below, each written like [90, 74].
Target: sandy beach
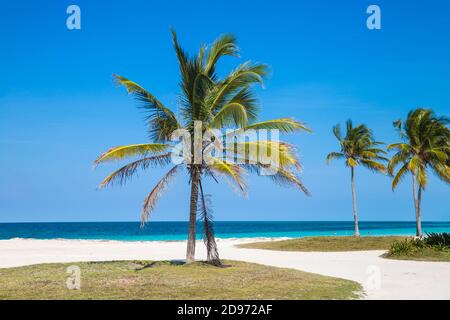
[381, 278]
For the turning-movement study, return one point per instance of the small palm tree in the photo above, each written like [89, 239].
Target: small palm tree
[358, 147]
[426, 146]
[215, 103]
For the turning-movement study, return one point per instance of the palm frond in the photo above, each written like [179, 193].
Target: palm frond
[232, 171]
[242, 77]
[160, 119]
[337, 132]
[374, 165]
[351, 162]
[133, 150]
[281, 176]
[126, 172]
[205, 215]
[231, 113]
[400, 175]
[442, 171]
[285, 125]
[153, 196]
[261, 151]
[422, 177]
[334, 155]
[225, 45]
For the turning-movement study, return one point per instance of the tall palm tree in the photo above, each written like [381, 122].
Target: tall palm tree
[358, 147]
[426, 146]
[215, 103]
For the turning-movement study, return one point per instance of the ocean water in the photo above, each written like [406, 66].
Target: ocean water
[157, 231]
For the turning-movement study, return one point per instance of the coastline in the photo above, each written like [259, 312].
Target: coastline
[398, 279]
[177, 231]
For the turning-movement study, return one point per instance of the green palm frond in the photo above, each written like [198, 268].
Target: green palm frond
[399, 176]
[426, 145]
[374, 165]
[442, 171]
[242, 77]
[399, 146]
[359, 146]
[127, 171]
[422, 177]
[283, 154]
[231, 113]
[285, 125]
[334, 155]
[351, 162]
[225, 45]
[160, 119]
[133, 150]
[337, 132]
[232, 171]
[399, 157]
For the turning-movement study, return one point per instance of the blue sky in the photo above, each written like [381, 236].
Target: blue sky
[59, 107]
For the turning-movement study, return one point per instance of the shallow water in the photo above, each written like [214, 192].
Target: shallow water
[131, 231]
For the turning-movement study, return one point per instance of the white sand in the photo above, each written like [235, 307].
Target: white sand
[381, 278]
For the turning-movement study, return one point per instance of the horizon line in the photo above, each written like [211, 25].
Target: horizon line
[186, 221]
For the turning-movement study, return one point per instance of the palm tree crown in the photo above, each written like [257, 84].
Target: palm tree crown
[426, 145]
[358, 147]
[217, 103]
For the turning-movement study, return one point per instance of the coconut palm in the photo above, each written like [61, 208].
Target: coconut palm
[358, 147]
[426, 146]
[214, 103]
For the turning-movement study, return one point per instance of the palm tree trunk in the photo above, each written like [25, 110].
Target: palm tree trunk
[418, 222]
[355, 210]
[190, 251]
[414, 190]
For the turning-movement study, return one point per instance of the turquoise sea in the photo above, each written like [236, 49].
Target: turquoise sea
[131, 231]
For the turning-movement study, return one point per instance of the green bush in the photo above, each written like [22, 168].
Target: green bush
[409, 247]
[403, 248]
[438, 240]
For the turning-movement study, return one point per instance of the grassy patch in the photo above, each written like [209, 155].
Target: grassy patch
[424, 254]
[324, 244]
[168, 280]
[428, 249]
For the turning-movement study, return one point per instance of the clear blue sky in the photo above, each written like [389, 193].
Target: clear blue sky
[59, 108]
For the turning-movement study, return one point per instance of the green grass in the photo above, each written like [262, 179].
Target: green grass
[168, 280]
[327, 244]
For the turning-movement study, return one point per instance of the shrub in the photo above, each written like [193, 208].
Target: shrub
[438, 240]
[404, 247]
[408, 247]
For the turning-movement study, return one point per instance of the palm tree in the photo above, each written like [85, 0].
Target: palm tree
[426, 146]
[215, 103]
[358, 147]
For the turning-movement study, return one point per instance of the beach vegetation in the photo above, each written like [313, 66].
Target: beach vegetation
[327, 244]
[432, 247]
[207, 103]
[358, 148]
[172, 280]
[425, 147]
